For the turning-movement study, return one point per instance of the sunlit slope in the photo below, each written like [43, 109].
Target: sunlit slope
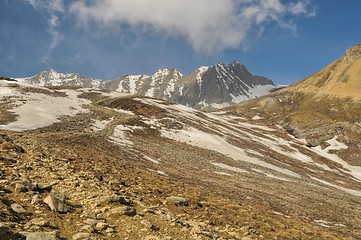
[341, 79]
[320, 107]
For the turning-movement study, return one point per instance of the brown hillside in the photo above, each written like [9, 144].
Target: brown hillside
[319, 107]
[342, 78]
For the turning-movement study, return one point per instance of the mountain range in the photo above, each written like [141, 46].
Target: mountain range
[207, 87]
[89, 163]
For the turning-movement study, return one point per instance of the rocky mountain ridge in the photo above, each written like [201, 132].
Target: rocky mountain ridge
[207, 87]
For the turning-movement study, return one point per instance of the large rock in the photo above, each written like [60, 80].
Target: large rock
[124, 210]
[39, 222]
[41, 235]
[81, 235]
[56, 202]
[179, 201]
[116, 198]
[18, 209]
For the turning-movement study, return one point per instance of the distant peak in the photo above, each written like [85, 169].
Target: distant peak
[353, 53]
[234, 63]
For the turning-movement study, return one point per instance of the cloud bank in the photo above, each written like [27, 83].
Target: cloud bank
[208, 25]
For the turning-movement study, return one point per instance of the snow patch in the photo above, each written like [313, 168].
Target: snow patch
[41, 110]
[151, 159]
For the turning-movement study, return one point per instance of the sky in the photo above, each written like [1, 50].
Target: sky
[284, 40]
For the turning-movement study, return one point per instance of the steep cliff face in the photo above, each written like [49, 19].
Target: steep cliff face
[220, 86]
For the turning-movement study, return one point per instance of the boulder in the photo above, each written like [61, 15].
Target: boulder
[179, 201]
[56, 202]
[81, 235]
[39, 222]
[124, 210]
[41, 235]
[18, 209]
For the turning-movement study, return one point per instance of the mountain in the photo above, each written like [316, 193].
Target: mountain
[89, 163]
[320, 107]
[53, 78]
[207, 87]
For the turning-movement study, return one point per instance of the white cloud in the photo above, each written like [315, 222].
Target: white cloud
[208, 25]
[53, 8]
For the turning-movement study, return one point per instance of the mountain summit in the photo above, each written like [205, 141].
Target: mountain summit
[207, 87]
[341, 78]
[320, 107]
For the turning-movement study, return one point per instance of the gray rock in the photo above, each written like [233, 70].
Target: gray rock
[36, 200]
[87, 228]
[81, 235]
[42, 186]
[124, 210]
[101, 226]
[40, 222]
[18, 209]
[19, 187]
[178, 200]
[109, 230]
[116, 198]
[92, 222]
[41, 235]
[56, 202]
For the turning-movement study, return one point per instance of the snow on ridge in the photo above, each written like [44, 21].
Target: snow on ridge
[200, 73]
[133, 82]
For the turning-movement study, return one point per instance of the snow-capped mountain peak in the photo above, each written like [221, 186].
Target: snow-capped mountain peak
[207, 87]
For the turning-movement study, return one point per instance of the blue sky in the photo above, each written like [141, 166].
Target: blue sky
[282, 40]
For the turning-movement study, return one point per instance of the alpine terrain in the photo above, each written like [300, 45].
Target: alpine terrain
[207, 87]
[86, 163]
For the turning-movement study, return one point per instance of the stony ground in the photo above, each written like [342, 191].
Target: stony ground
[77, 179]
[108, 197]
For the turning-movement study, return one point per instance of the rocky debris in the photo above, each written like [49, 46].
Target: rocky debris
[56, 202]
[137, 205]
[18, 209]
[116, 199]
[179, 201]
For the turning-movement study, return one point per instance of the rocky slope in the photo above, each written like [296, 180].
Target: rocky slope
[207, 87]
[88, 164]
[320, 107]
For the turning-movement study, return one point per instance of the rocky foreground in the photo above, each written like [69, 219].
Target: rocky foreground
[121, 167]
[55, 185]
